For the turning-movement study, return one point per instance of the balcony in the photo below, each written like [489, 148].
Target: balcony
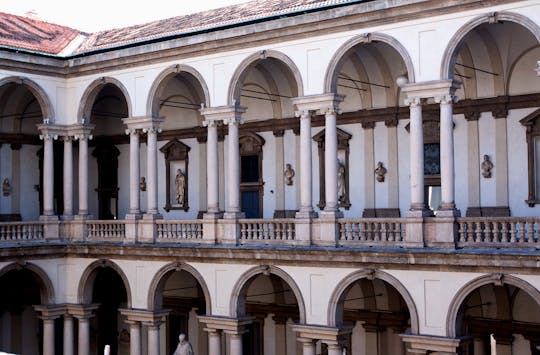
[459, 233]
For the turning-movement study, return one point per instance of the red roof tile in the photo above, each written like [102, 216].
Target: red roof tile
[26, 33]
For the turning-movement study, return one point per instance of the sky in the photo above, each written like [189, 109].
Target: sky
[96, 15]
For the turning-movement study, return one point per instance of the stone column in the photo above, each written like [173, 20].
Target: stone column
[308, 346]
[135, 338]
[134, 173]
[153, 338]
[68, 335]
[233, 174]
[68, 178]
[83, 312]
[369, 167]
[235, 339]
[48, 336]
[335, 349]
[331, 161]
[214, 341]
[416, 154]
[212, 167]
[151, 171]
[306, 189]
[83, 174]
[48, 174]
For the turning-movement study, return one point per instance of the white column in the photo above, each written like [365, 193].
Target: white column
[48, 336]
[153, 339]
[214, 342]
[335, 349]
[134, 171]
[447, 152]
[212, 167]
[68, 177]
[235, 344]
[416, 154]
[48, 174]
[135, 338]
[83, 174]
[308, 346]
[233, 188]
[330, 162]
[84, 336]
[151, 187]
[306, 189]
[68, 334]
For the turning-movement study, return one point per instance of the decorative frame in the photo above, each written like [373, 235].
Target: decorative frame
[532, 125]
[343, 157]
[176, 158]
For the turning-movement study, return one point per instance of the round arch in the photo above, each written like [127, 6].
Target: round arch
[159, 280]
[45, 104]
[45, 285]
[330, 79]
[372, 274]
[84, 293]
[152, 102]
[241, 71]
[497, 279]
[267, 269]
[450, 54]
[91, 92]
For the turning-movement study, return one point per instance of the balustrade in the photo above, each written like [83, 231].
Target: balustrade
[498, 231]
[175, 231]
[266, 231]
[371, 231]
[21, 231]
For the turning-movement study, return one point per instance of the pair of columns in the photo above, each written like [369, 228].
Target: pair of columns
[137, 126]
[49, 133]
[49, 313]
[309, 335]
[137, 318]
[217, 327]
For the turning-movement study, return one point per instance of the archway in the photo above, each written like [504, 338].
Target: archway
[24, 286]
[378, 308]
[181, 289]
[500, 312]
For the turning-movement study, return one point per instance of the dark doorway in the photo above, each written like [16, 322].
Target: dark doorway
[107, 161]
[58, 196]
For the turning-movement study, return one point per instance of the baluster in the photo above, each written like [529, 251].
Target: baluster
[512, 231]
[496, 231]
[521, 236]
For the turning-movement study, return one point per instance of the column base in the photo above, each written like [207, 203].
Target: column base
[329, 228]
[151, 216]
[48, 218]
[234, 215]
[212, 215]
[83, 217]
[448, 212]
[66, 217]
[133, 216]
[308, 214]
[419, 212]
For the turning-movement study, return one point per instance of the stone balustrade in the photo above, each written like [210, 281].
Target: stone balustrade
[469, 232]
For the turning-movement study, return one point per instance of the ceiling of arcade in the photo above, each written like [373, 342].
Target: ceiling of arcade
[19, 110]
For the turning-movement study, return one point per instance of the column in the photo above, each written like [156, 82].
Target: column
[334, 349]
[280, 168]
[83, 174]
[68, 334]
[308, 346]
[68, 177]
[447, 152]
[203, 195]
[48, 174]
[84, 336]
[233, 183]
[306, 201]
[153, 338]
[416, 154]
[134, 172]
[151, 179]
[135, 338]
[48, 336]
[235, 343]
[214, 341]
[212, 167]
[331, 162]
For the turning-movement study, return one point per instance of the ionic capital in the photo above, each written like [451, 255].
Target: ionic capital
[446, 99]
[152, 130]
[48, 136]
[83, 136]
[133, 132]
[67, 139]
[236, 120]
[210, 123]
[303, 114]
[415, 101]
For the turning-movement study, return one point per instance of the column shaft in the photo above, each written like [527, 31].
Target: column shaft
[135, 338]
[84, 336]
[305, 163]
[212, 168]
[68, 177]
[48, 175]
[134, 172]
[235, 344]
[308, 348]
[416, 155]
[447, 154]
[153, 340]
[234, 168]
[48, 336]
[151, 188]
[68, 335]
[214, 343]
[331, 162]
[83, 175]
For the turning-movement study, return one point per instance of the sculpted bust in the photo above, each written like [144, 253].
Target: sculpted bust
[184, 347]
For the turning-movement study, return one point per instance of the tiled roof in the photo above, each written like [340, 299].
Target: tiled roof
[26, 33]
[230, 15]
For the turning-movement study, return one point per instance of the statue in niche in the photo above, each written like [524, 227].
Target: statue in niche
[184, 347]
[6, 187]
[180, 187]
[341, 182]
[142, 184]
[487, 166]
[380, 172]
[288, 174]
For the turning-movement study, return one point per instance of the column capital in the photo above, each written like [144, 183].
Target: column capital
[322, 103]
[446, 99]
[143, 123]
[81, 131]
[316, 332]
[133, 131]
[226, 324]
[82, 311]
[429, 89]
[51, 311]
[148, 317]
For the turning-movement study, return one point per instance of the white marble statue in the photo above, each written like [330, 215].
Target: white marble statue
[184, 347]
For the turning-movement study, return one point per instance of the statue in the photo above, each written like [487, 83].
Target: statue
[180, 187]
[380, 172]
[184, 347]
[142, 184]
[487, 165]
[341, 182]
[288, 174]
[6, 187]
[107, 350]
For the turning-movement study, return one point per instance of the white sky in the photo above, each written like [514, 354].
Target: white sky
[96, 15]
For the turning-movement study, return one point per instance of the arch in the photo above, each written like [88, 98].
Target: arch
[450, 54]
[267, 269]
[341, 54]
[152, 102]
[91, 92]
[84, 293]
[46, 287]
[47, 109]
[159, 280]
[241, 71]
[372, 274]
[497, 279]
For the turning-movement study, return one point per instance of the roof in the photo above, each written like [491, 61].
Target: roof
[26, 33]
[35, 35]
